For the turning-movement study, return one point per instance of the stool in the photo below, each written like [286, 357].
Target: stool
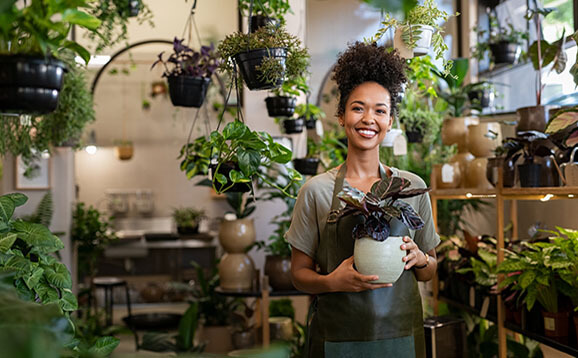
[109, 283]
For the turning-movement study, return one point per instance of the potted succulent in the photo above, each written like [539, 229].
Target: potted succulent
[187, 220]
[310, 112]
[31, 38]
[387, 220]
[309, 164]
[238, 155]
[504, 43]
[415, 35]
[264, 12]
[283, 101]
[189, 73]
[265, 58]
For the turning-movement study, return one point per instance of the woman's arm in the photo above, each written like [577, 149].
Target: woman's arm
[343, 279]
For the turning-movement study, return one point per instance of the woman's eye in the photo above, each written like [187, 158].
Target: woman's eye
[381, 111]
[357, 109]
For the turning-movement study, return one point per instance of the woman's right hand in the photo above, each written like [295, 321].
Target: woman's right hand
[346, 279]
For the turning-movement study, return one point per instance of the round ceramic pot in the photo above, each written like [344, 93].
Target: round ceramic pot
[281, 328]
[455, 131]
[278, 268]
[236, 272]
[381, 258]
[483, 138]
[236, 235]
[463, 159]
[476, 176]
[423, 44]
[244, 340]
[249, 63]
[532, 118]
[280, 106]
[448, 176]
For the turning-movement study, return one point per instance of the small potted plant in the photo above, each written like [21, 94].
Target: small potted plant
[415, 35]
[418, 119]
[187, 220]
[481, 94]
[189, 73]
[531, 143]
[124, 149]
[505, 156]
[504, 43]
[264, 57]
[310, 112]
[283, 101]
[31, 38]
[378, 240]
[265, 12]
[309, 164]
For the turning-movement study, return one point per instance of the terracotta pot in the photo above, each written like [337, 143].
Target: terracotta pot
[476, 175]
[124, 152]
[217, 338]
[236, 272]
[464, 160]
[455, 131]
[244, 340]
[532, 118]
[281, 328]
[278, 268]
[236, 235]
[556, 325]
[482, 140]
[448, 176]
[381, 258]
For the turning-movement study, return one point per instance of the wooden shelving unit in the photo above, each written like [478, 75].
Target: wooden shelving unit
[501, 194]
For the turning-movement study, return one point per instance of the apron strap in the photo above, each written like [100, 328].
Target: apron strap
[335, 203]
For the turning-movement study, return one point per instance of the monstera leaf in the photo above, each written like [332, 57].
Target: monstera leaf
[408, 216]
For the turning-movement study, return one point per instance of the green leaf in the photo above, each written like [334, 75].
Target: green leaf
[249, 161]
[526, 278]
[46, 293]
[104, 346]
[187, 327]
[7, 207]
[68, 301]
[548, 53]
[6, 241]
[80, 18]
[37, 235]
[18, 198]
[221, 178]
[58, 276]
[32, 280]
[238, 177]
[18, 264]
[234, 130]
[562, 121]
[80, 50]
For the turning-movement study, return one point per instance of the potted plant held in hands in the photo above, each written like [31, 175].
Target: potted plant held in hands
[189, 73]
[378, 240]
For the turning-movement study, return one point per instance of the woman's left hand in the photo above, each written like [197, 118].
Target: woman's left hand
[414, 257]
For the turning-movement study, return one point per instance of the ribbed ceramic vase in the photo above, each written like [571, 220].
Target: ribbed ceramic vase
[381, 258]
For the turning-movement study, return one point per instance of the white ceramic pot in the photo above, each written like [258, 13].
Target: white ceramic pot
[423, 44]
[381, 258]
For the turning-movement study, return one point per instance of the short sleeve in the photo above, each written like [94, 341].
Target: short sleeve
[303, 233]
[427, 238]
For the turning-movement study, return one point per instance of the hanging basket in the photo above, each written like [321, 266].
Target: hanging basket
[306, 166]
[415, 136]
[249, 63]
[187, 91]
[30, 84]
[225, 169]
[483, 97]
[281, 106]
[124, 151]
[505, 52]
[293, 126]
[311, 123]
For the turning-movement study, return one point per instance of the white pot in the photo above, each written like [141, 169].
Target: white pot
[381, 258]
[423, 44]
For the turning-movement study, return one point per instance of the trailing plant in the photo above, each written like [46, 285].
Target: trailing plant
[292, 87]
[267, 37]
[270, 8]
[422, 14]
[184, 61]
[187, 217]
[417, 117]
[114, 16]
[420, 76]
[42, 27]
[379, 206]
[252, 151]
[497, 35]
[309, 111]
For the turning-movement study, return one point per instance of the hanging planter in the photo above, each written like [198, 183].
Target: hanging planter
[280, 106]
[293, 126]
[252, 66]
[482, 98]
[133, 8]
[225, 169]
[505, 52]
[186, 91]
[124, 150]
[30, 84]
[306, 166]
[414, 136]
[259, 21]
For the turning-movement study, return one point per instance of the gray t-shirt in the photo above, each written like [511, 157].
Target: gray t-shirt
[314, 204]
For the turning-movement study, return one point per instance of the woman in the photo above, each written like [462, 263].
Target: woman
[351, 316]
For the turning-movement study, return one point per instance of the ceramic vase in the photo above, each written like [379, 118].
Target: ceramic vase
[448, 176]
[455, 131]
[483, 138]
[278, 268]
[477, 177]
[381, 258]
[236, 269]
[463, 159]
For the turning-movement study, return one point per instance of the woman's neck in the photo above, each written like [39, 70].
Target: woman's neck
[362, 164]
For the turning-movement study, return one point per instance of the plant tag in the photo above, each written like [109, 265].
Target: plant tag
[549, 324]
[472, 297]
[400, 145]
[389, 138]
[319, 128]
[447, 173]
[485, 306]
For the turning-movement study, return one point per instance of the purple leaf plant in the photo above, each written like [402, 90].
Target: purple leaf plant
[185, 61]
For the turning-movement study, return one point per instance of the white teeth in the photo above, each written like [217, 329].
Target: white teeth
[368, 133]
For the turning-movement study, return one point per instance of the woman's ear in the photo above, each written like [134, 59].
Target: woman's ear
[341, 121]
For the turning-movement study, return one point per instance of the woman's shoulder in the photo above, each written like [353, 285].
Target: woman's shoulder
[320, 183]
[416, 180]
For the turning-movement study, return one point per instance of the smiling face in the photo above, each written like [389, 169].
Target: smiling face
[367, 116]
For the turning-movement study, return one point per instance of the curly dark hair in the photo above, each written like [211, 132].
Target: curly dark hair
[363, 62]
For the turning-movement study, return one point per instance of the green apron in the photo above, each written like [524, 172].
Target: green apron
[385, 322]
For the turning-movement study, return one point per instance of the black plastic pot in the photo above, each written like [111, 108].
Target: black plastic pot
[30, 84]
[529, 175]
[225, 169]
[131, 8]
[306, 166]
[186, 91]
[187, 230]
[293, 126]
[249, 62]
[505, 52]
[414, 136]
[482, 97]
[310, 123]
[281, 106]
[258, 21]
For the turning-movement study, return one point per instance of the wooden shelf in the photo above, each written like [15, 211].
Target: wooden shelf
[462, 193]
[573, 351]
[541, 194]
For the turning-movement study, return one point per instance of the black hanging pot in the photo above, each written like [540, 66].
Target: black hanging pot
[414, 136]
[129, 8]
[225, 169]
[249, 63]
[529, 175]
[30, 84]
[482, 97]
[188, 91]
[281, 106]
[258, 21]
[310, 123]
[306, 166]
[293, 126]
[505, 52]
